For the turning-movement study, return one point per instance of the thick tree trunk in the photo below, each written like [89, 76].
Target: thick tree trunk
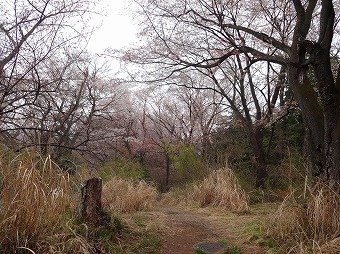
[330, 100]
[312, 115]
[319, 102]
[322, 124]
[91, 206]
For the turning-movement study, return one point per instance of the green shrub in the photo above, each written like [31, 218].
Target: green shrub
[234, 250]
[123, 168]
[187, 163]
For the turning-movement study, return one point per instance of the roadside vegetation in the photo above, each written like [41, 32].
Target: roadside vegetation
[227, 109]
[39, 211]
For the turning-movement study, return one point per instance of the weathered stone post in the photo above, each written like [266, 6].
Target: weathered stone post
[91, 204]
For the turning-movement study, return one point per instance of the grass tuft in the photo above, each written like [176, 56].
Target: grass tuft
[323, 212]
[220, 189]
[331, 247]
[121, 195]
[289, 219]
[312, 224]
[34, 199]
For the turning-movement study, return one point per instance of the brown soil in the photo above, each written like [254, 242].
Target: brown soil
[186, 228]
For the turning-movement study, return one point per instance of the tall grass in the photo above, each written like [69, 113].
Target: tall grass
[38, 208]
[34, 199]
[120, 195]
[220, 189]
[323, 210]
[310, 224]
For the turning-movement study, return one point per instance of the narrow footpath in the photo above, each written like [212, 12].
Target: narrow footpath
[186, 228]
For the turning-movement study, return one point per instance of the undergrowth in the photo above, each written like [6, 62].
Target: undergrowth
[219, 189]
[35, 201]
[309, 223]
[121, 195]
[39, 211]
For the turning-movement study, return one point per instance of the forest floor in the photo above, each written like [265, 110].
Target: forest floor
[185, 227]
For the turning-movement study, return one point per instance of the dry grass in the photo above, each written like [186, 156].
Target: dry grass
[34, 200]
[68, 241]
[220, 189]
[37, 208]
[121, 195]
[311, 225]
[324, 212]
[331, 247]
[289, 220]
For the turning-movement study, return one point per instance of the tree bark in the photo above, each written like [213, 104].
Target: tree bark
[256, 142]
[319, 105]
[91, 206]
[167, 171]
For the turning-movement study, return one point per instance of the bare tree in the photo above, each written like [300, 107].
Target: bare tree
[31, 32]
[172, 116]
[250, 95]
[203, 35]
[78, 109]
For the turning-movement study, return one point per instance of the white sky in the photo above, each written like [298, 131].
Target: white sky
[118, 29]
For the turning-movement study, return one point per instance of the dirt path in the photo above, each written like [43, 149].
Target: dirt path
[186, 228]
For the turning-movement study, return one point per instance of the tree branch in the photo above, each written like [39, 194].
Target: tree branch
[261, 36]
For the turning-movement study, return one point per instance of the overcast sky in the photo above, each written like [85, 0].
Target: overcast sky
[117, 30]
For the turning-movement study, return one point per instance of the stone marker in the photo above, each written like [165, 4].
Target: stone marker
[210, 247]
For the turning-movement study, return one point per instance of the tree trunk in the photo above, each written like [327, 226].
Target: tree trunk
[256, 143]
[91, 205]
[167, 171]
[322, 125]
[319, 103]
[312, 115]
[205, 146]
[330, 99]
